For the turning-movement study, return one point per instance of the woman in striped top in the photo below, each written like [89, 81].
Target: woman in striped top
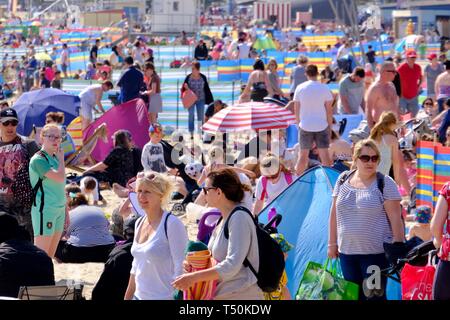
[362, 218]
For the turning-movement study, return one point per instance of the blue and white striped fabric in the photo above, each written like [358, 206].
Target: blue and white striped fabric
[362, 222]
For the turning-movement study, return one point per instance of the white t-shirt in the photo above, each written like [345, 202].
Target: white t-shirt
[244, 50]
[273, 189]
[312, 96]
[342, 51]
[153, 157]
[159, 260]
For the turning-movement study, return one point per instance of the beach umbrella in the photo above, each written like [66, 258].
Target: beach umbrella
[250, 116]
[32, 106]
[42, 56]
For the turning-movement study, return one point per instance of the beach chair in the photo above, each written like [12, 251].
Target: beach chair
[83, 153]
[56, 292]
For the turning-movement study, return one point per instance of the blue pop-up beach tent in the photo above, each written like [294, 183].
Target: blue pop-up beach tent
[305, 207]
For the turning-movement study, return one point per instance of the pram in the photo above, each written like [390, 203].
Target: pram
[417, 254]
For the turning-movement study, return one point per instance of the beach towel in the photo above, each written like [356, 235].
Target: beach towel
[205, 290]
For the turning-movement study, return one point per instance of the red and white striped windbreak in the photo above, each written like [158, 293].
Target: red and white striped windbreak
[250, 116]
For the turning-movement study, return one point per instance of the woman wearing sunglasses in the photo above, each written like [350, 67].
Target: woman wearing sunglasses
[383, 133]
[363, 218]
[48, 212]
[224, 191]
[159, 242]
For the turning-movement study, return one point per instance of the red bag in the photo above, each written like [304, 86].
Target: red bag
[417, 282]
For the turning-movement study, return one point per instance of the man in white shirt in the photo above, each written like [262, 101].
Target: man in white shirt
[314, 113]
[243, 49]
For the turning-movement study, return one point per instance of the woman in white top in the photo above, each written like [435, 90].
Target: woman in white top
[390, 156]
[90, 97]
[235, 281]
[274, 180]
[159, 242]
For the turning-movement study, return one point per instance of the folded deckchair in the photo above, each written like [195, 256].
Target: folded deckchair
[56, 292]
[83, 153]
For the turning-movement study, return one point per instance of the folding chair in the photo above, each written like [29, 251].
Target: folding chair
[56, 292]
[85, 151]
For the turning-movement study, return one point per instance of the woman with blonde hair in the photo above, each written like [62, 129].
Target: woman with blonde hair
[383, 133]
[47, 174]
[363, 218]
[275, 179]
[159, 242]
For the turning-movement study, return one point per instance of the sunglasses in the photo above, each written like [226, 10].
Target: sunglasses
[14, 123]
[148, 176]
[391, 71]
[366, 158]
[206, 189]
[428, 104]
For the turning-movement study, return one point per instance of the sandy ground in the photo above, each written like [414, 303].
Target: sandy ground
[89, 273]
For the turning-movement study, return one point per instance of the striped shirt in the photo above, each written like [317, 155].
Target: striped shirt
[362, 222]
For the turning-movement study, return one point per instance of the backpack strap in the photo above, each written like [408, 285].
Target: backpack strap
[165, 224]
[246, 263]
[380, 182]
[264, 185]
[345, 176]
[288, 177]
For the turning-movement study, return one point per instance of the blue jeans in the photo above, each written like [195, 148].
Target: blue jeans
[409, 105]
[200, 106]
[354, 269]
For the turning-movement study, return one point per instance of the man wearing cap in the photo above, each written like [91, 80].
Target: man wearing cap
[21, 263]
[410, 80]
[15, 153]
[201, 51]
[431, 72]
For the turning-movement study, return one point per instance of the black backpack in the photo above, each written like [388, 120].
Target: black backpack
[271, 257]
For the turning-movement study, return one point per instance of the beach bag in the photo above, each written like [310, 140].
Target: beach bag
[325, 282]
[188, 97]
[175, 64]
[271, 257]
[417, 281]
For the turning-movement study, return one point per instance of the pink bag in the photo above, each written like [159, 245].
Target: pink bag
[188, 98]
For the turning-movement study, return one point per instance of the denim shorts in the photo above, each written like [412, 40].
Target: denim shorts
[322, 139]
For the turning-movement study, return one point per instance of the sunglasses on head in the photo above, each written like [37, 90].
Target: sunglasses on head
[366, 158]
[14, 123]
[143, 175]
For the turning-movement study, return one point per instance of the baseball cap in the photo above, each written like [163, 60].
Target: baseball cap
[432, 56]
[150, 51]
[411, 54]
[8, 114]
